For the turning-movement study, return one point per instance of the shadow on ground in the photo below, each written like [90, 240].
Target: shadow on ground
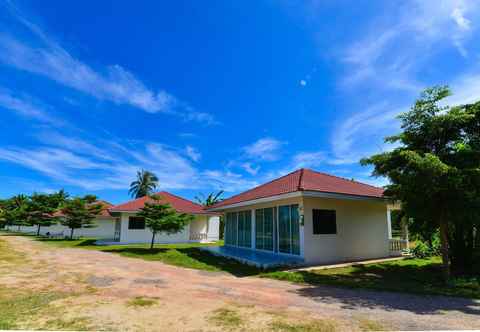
[389, 301]
[208, 261]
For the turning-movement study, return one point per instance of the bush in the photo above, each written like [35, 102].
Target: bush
[423, 250]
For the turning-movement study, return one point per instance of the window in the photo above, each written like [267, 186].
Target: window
[324, 222]
[264, 228]
[289, 229]
[136, 223]
[239, 229]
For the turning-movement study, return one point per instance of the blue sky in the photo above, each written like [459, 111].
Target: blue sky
[219, 94]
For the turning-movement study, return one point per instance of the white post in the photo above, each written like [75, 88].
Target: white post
[389, 223]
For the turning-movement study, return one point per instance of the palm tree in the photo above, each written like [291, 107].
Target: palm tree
[145, 183]
[211, 199]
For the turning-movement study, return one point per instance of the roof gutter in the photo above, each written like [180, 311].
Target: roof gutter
[302, 193]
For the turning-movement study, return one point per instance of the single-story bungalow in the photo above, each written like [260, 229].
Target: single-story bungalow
[129, 228]
[104, 226]
[307, 217]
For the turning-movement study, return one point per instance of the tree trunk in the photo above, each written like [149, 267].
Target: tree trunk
[153, 241]
[38, 229]
[444, 248]
[71, 233]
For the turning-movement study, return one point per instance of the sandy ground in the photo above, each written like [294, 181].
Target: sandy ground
[185, 299]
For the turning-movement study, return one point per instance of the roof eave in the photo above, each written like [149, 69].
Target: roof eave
[300, 193]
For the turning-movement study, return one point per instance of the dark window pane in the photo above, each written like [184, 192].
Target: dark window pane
[136, 223]
[324, 221]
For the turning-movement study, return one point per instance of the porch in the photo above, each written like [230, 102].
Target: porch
[256, 258]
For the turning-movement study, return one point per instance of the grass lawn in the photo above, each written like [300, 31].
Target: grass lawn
[413, 275]
[421, 276]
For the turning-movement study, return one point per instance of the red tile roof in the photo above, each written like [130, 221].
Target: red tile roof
[180, 204]
[305, 180]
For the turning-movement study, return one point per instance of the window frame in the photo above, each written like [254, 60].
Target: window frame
[321, 229]
[135, 228]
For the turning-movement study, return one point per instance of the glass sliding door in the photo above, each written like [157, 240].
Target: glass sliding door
[231, 229]
[238, 230]
[289, 229]
[284, 229]
[264, 222]
[244, 229]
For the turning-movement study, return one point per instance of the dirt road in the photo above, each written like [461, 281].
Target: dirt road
[118, 293]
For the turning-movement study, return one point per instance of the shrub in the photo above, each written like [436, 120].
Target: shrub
[423, 250]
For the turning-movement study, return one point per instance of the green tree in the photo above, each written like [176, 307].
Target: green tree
[79, 212]
[435, 173]
[40, 209]
[162, 218]
[14, 212]
[144, 185]
[210, 200]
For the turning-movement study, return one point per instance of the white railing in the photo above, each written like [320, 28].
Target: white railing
[198, 237]
[398, 246]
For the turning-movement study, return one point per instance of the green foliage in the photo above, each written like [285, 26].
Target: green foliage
[226, 318]
[435, 173]
[80, 212]
[420, 276]
[141, 301]
[40, 209]
[211, 199]
[144, 185]
[162, 218]
[424, 250]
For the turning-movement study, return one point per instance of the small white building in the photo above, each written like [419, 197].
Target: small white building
[129, 228]
[306, 217]
[104, 226]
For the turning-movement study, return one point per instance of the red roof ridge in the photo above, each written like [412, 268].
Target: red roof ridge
[342, 178]
[184, 199]
[259, 186]
[300, 180]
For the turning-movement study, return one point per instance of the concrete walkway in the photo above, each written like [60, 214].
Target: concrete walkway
[346, 264]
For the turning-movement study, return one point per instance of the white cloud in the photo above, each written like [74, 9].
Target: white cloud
[193, 153]
[462, 22]
[303, 82]
[308, 159]
[112, 164]
[26, 106]
[363, 133]
[249, 168]
[264, 149]
[465, 89]
[43, 56]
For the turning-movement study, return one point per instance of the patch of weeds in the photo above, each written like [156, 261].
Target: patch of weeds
[370, 325]
[226, 318]
[315, 326]
[73, 324]
[16, 305]
[10, 256]
[142, 302]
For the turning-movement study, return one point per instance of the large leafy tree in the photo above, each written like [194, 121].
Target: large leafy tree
[40, 209]
[144, 185]
[15, 210]
[162, 218]
[80, 212]
[435, 173]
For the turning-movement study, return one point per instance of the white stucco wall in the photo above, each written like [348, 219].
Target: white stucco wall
[105, 229]
[362, 231]
[145, 235]
[213, 228]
